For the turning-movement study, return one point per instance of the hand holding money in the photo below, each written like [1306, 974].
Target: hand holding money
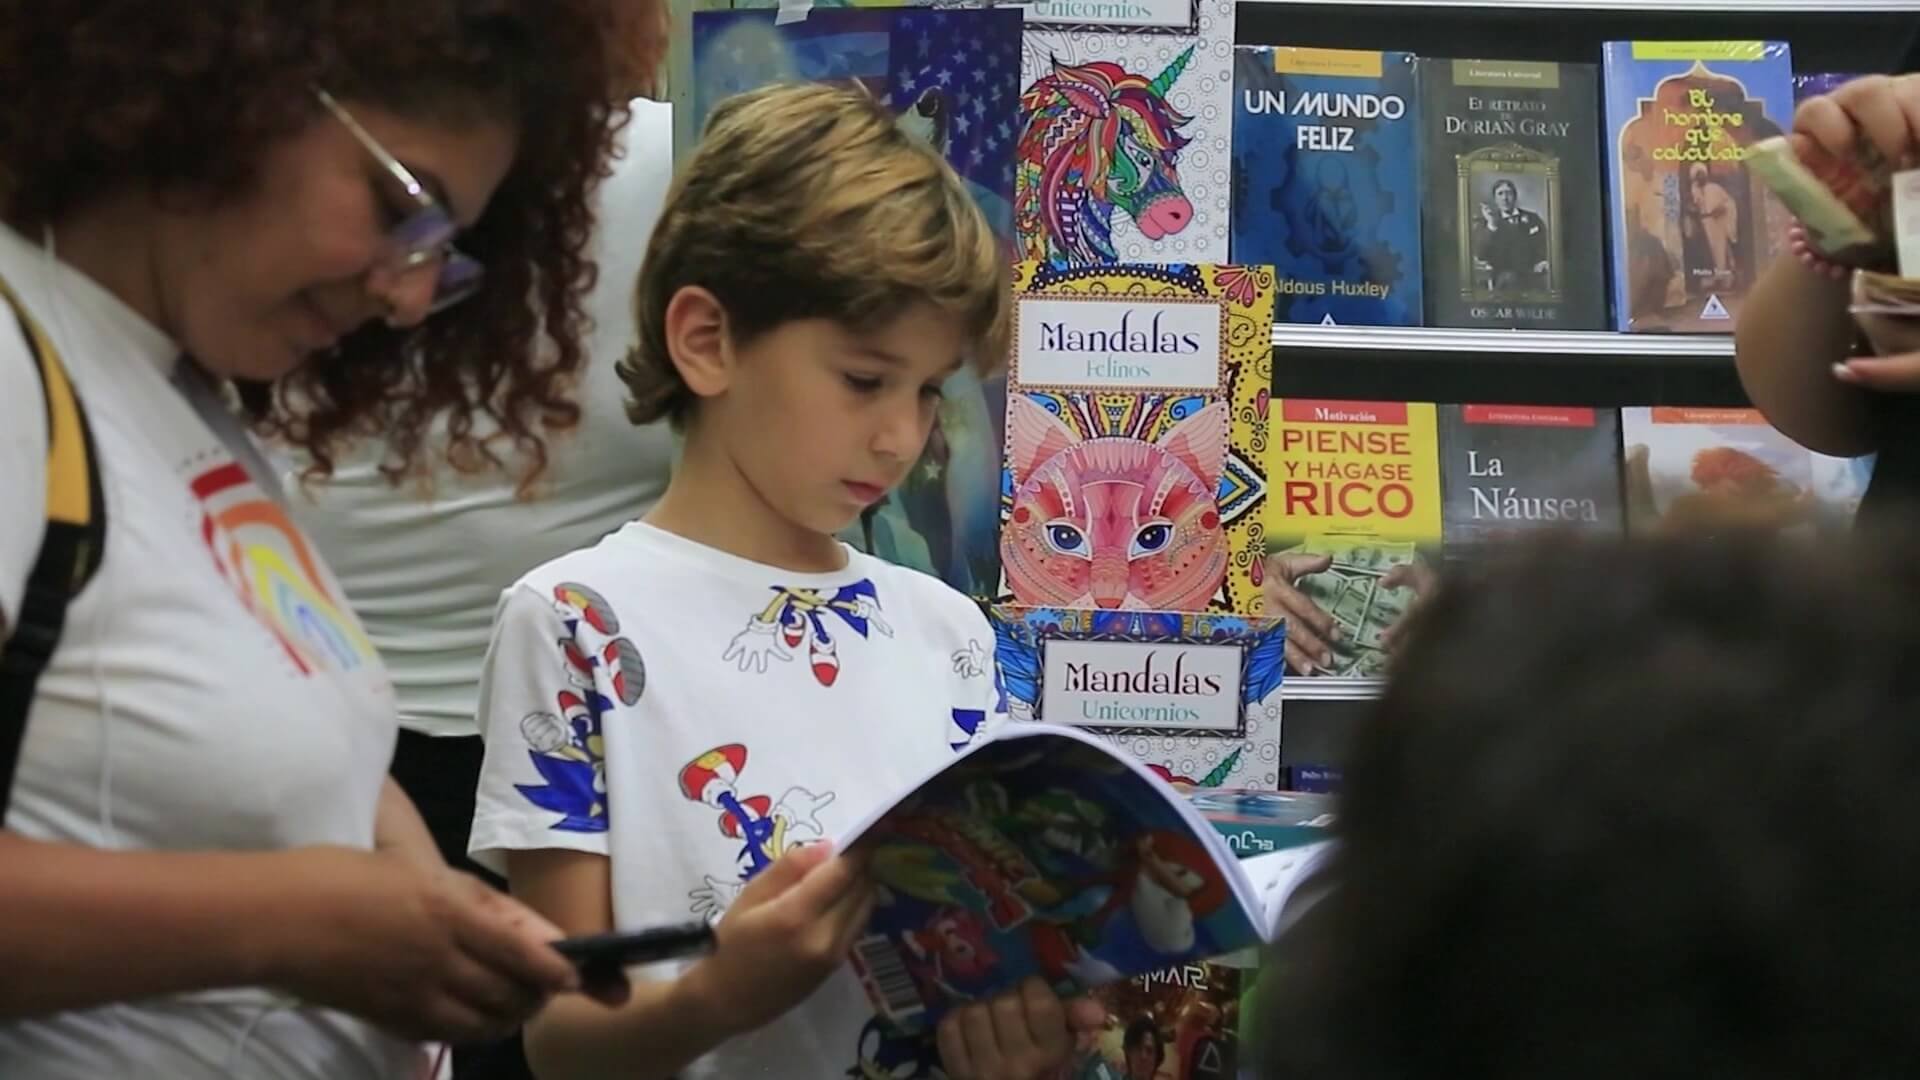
[1835, 169]
[1845, 172]
[1842, 201]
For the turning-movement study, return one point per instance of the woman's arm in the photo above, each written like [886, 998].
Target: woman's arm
[81, 927]
[426, 953]
[1793, 328]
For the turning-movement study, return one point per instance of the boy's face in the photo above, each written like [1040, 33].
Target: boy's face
[823, 422]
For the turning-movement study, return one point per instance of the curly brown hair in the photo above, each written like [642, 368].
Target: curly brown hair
[183, 99]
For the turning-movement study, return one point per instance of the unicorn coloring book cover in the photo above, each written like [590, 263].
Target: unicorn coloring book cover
[1136, 424]
[1125, 143]
[1195, 732]
[952, 76]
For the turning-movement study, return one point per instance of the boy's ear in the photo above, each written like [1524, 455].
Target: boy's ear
[697, 341]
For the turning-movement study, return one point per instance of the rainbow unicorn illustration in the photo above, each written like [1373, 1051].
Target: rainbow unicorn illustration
[1097, 138]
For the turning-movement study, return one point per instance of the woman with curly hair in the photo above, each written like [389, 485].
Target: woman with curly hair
[423, 553]
[325, 218]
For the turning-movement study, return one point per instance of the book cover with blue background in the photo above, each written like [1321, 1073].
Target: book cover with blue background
[1807, 84]
[1690, 229]
[1326, 182]
[952, 76]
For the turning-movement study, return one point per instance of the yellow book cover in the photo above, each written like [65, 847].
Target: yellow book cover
[1353, 514]
[1135, 435]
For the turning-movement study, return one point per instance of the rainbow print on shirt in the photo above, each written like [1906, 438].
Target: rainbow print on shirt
[275, 573]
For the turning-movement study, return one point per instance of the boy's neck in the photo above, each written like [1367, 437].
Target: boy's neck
[710, 501]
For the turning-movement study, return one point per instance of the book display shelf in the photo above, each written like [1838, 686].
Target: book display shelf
[1497, 249]
[1392, 285]
[1600, 369]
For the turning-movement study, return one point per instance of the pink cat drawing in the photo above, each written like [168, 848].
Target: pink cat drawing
[1113, 521]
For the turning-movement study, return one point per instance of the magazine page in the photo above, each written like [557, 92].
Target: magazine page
[1042, 851]
[1289, 881]
[1183, 1022]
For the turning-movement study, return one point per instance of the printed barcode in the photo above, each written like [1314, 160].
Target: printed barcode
[888, 981]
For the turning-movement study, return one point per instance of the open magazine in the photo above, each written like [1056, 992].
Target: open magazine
[1045, 850]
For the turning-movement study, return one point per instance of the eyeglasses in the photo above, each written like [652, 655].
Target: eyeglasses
[423, 235]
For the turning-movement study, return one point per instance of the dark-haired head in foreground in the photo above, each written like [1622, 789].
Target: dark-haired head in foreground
[1629, 811]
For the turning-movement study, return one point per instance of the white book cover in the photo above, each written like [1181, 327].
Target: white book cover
[1126, 139]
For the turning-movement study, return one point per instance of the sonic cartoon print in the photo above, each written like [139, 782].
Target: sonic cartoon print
[795, 617]
[592, 643]
[570, 756]
[765, 827]
[1166, 882]
[968, 663]
[567, 748]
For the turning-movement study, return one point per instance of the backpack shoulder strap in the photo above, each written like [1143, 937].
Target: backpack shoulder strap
[70, 548]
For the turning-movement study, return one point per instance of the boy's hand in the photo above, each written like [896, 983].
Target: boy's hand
[1025, 1034]
[789, 929]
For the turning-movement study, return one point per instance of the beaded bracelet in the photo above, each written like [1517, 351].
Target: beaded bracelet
[1803, 250]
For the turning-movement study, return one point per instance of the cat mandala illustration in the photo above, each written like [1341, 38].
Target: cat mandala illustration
[1113, 521]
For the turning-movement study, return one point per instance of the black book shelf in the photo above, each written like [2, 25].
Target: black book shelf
[1598, 369]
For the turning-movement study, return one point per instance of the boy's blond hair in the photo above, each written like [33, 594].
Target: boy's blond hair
[805, 201]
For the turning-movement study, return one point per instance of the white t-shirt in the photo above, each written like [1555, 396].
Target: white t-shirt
[423, 568]
[691, 714]
[210, 690]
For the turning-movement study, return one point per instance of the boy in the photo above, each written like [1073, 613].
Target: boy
[671, 714]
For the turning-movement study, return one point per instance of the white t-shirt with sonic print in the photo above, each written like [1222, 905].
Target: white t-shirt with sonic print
[691, 715]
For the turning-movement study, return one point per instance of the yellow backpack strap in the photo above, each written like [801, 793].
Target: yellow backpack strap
[70, 548]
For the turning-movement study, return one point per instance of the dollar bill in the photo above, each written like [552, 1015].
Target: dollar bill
[1389, 605]
[1371, 664]
[1887, 309]
[1836, 200]
[1351, 609]
[1350, 592]
[1886, 290]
